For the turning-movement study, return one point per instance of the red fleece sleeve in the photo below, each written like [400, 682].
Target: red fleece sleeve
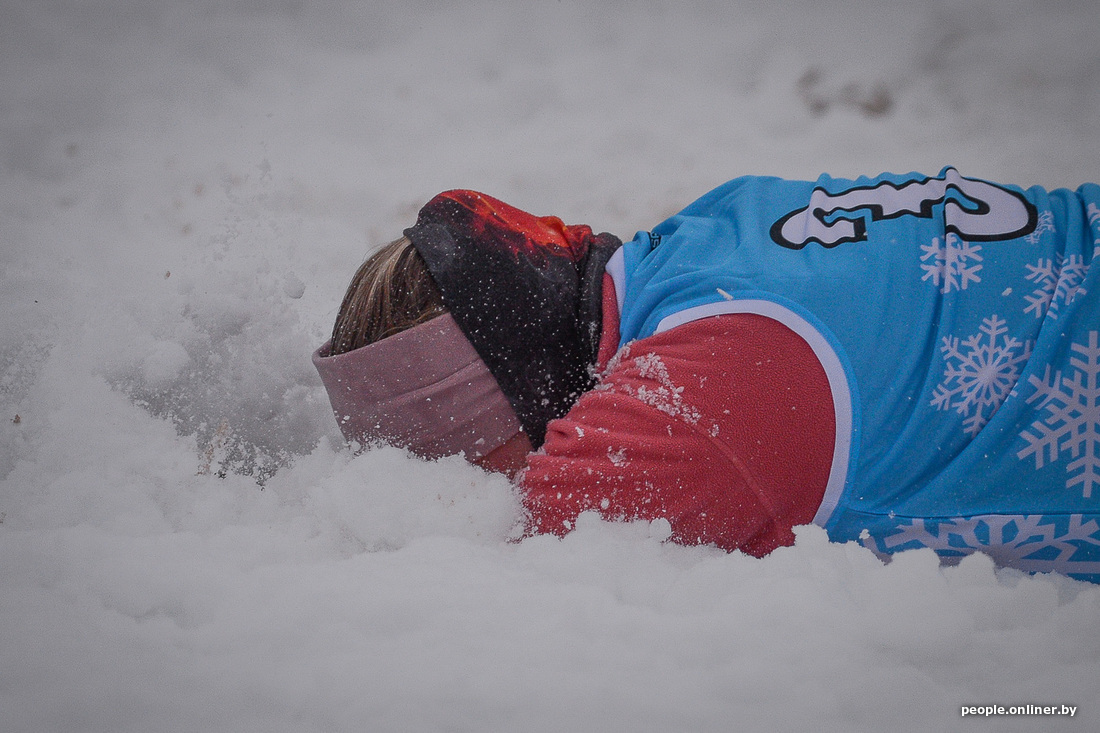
[723, 426]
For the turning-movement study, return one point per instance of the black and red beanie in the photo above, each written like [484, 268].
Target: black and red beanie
[526, 292]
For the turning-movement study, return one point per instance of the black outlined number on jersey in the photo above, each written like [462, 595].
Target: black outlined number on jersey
[974, 210]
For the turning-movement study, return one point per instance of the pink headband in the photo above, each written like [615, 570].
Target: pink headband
[424, 389]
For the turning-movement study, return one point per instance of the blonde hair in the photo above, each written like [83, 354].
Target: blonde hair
[391, 292]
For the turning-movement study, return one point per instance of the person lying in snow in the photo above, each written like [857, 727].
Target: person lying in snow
[907, 361]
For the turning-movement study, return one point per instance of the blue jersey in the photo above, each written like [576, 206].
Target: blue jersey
[957, 321]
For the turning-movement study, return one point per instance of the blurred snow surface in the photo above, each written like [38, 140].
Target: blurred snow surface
[185, 188]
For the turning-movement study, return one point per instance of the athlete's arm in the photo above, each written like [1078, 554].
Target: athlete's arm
[723, 426]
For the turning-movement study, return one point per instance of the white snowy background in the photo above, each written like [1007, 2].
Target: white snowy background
[185, 188]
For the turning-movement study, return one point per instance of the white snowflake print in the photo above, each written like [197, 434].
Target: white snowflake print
[951, 265]
[978, 374]
[1045, 223]
[1072, 420]
[1030, 542]
[1059, 282]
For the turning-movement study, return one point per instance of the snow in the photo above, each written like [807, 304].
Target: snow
[185, 188]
